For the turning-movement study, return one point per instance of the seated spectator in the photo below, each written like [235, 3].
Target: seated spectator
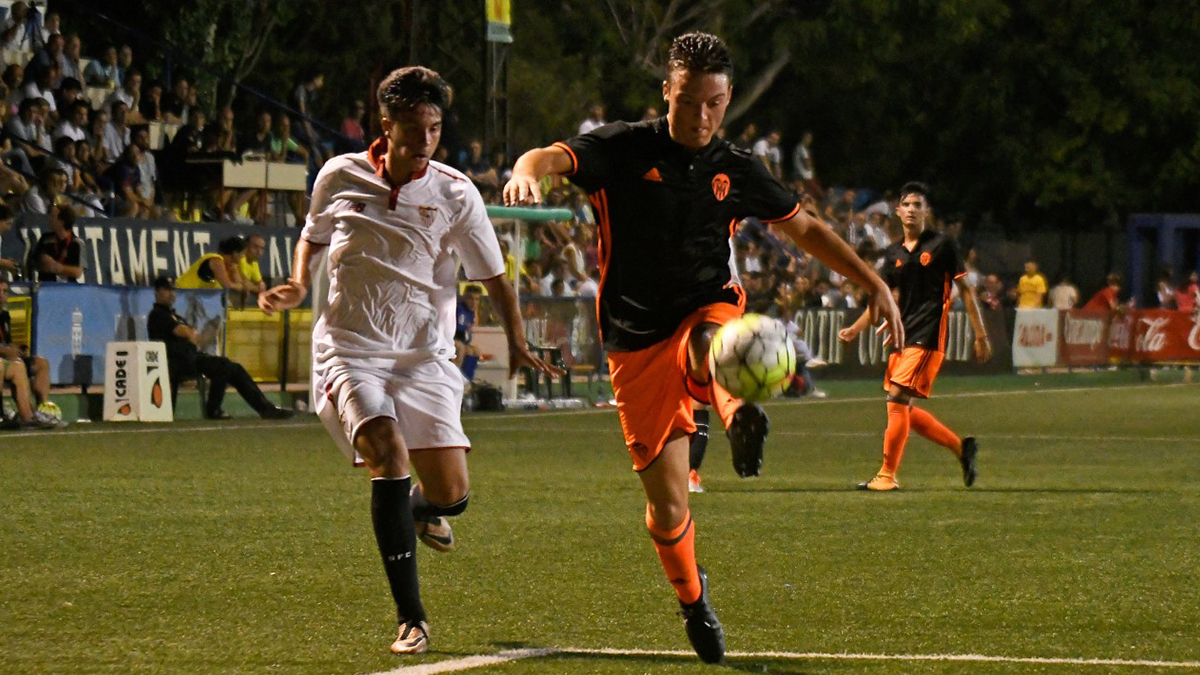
[103, 72]
[42, 87]
[1106, 298]
[223, 135]
[151, 106]
[35, 366]
[1187, 295]
[14, 75]
[50, 55]
[355, 139]
[17, 27]
[767, 151]
[282, 148]
[8, 265]
[64, 159]
[117, 134]
[186, 361]
[147, 166]
[466, 355]
[68, 94]
[218, 270]
[122, 179]
[1064, 295]
[49, 191]
[16, 375]
[88, 169]
[480, 170]
[745, 140]
[58, 254]
[74, 123]
[71, 61]
[992, 296]
[28, 126]
[97, 126]
[124, 63]
[51, 25]
[130, 94]
[175, 105]
[13, 185]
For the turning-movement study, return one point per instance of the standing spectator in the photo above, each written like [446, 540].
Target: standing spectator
[594, 121]
[124, 64]
[175, 105]
[116, 134]
[103, 72]
[1031, 288]
[282, 149]
[767, 151]
[1165, 290]
[992, 295]
[302, 98]
[252, 277]
[51, 25]
[1187, 296]
[58, 254]
[352, 128]
[130, 94]
[1063, 295]
[802, 164]
[1106, 298]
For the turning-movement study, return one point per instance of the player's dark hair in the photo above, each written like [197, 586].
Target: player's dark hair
[473, 288]
[6, 213]
[231, 245]
[1113, 279]
[914, 188]
[701, 53]
[406, 88]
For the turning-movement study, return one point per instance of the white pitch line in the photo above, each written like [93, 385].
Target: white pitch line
[471, 662]
[168, 428]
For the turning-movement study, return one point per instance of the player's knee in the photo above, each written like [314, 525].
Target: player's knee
[378, 443]
[667, 515]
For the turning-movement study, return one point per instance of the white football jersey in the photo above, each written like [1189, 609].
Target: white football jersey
[393, 258]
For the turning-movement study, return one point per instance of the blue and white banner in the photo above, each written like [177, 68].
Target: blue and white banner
[80, 319]
[131, 252]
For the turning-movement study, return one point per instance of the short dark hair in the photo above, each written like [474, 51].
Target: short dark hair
[699, 52]
[913, 187]
[6, 213]
[66, 215]
[406, 88]
[231, 245]
[473, 288]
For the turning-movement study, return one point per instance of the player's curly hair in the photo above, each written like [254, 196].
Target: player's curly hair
[406, 88]
[913, 187]
[699, 52]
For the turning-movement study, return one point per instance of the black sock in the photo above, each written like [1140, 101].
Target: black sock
[699, 440]
[397, 538]
[423, 509]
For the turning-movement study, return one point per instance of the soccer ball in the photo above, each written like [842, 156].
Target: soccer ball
[51, 410]
[752, 357]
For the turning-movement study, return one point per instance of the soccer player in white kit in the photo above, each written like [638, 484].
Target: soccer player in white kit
[396, 225]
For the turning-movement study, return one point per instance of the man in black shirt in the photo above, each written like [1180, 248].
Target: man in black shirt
[667, 195]
[185, 360]
[58, 254]
[921, 267]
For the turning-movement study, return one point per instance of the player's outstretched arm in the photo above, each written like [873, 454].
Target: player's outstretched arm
[814, 236]
[291, 294]
[530, 169]
[505, 303]
[983, 346]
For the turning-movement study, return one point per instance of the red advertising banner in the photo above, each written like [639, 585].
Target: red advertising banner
[1120, 337]
[1085, 338]
[1164, 335]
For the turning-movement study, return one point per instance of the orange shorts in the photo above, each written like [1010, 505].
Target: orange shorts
[915, 369]
[650, 386]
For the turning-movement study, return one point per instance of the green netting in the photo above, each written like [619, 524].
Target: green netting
[529, 213]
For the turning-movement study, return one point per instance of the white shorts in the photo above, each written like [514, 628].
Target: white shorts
[424, 399]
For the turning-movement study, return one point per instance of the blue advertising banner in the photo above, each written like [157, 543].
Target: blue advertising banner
[81, 319]
[131, 252]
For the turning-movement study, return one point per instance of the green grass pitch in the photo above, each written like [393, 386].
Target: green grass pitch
[247, 548]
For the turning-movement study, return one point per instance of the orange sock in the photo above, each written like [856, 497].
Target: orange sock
[928, 426]
[895, 437]
[677, 552]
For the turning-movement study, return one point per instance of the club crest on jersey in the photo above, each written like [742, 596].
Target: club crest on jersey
[926, 258]
[720, 186]
[899, 263]
[428, 213]
[357, 207]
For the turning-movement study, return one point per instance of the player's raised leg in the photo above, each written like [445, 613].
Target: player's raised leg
[379, 443]
[746, 423]
[673, 531]
[443, 492]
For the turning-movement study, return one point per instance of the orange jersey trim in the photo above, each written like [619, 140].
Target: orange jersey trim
[791, 214]
[571, 154]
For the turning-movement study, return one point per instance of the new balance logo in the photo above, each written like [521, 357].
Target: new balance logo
[653, 175]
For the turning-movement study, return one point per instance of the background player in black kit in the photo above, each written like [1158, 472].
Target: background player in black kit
[667, 195]
[922, 267]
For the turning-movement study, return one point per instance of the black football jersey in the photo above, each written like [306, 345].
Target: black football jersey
[924, 277]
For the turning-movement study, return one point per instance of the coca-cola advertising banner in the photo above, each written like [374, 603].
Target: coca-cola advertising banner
[1091, 338]
[1164, 335]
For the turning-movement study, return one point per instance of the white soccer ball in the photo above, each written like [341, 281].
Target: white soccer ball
[752, 357]
[51, 410]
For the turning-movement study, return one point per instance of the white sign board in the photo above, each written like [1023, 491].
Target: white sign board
[138, 387]
[1035, 338]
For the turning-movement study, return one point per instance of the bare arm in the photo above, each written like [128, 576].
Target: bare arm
[52, 266]
[850, 332]
[814, 236]
[983, 346]
[505, 303]
[530, 169]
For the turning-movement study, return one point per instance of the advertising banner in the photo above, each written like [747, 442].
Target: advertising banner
[77, 319]
[1164, 335]
[127, 251]
[140, 385]
[1085, 338]
[1035, 338]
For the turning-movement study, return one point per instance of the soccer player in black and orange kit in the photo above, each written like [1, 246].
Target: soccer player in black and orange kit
[667, 194]
[921, 269]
